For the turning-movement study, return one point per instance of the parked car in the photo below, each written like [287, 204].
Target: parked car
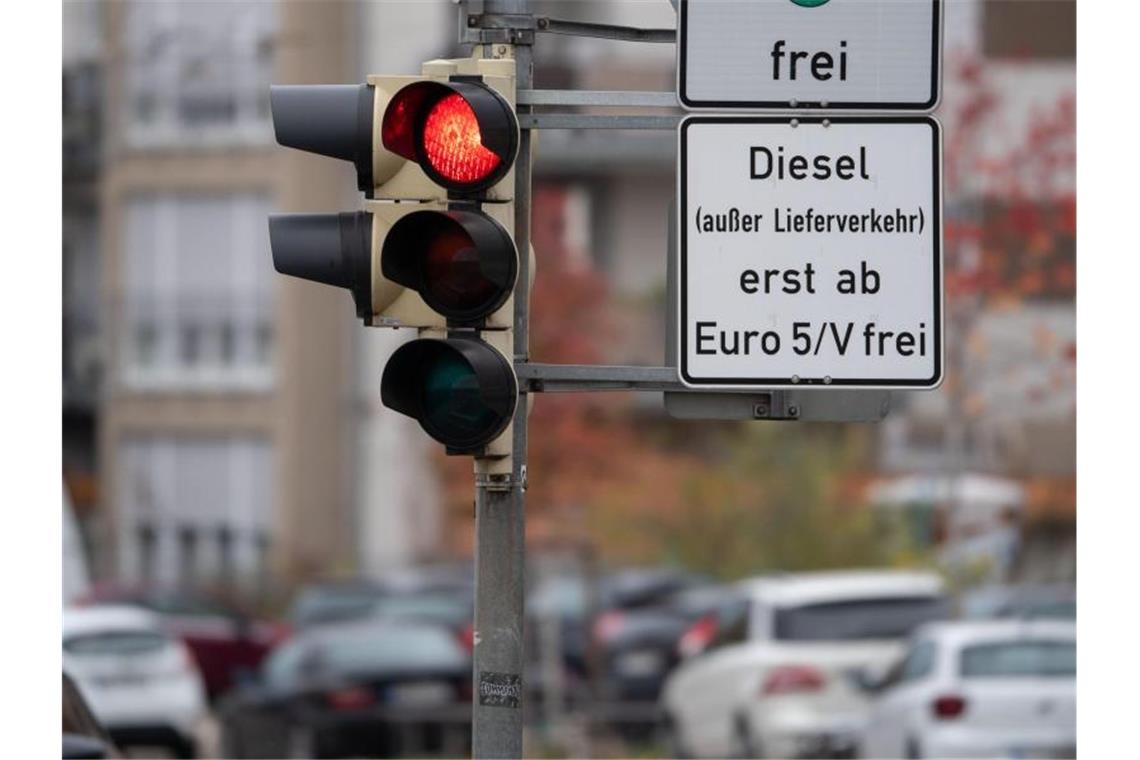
[781, 678]
[83, 736]
[639, 647]
[979, 689]
[586, 622]
[141, 682]
[225, 642]
[375, 688]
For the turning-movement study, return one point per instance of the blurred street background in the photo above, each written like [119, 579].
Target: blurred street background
[263, 561]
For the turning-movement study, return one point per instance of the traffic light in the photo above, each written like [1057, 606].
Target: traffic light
[433, 248]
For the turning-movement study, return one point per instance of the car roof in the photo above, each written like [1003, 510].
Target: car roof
[960, 633]
[105, 617]
[827, 586]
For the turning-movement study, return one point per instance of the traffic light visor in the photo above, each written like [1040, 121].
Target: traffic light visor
[462, 134]
[462, 263]
[462, 391]
[334, 249]
[332, 120]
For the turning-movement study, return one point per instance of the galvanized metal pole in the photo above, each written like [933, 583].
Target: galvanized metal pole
[497, 709]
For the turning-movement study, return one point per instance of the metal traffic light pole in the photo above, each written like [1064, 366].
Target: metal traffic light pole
[497, 668]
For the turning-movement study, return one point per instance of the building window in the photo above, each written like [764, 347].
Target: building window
[148, 545]
[188, 551]
[198, 296]
[198, 73]
[195, 509]
[1030, 29]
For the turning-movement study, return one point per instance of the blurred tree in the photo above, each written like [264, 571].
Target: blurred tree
[776, 502]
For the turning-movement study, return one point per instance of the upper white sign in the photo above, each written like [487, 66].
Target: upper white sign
[833, 54]
[810, 251]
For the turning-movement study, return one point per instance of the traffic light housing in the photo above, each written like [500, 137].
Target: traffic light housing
[433, 248]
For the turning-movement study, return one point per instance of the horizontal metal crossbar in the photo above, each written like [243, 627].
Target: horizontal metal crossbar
[553, 378]
[596, 121]
[814, 404]
[610, 98]
[604, 31]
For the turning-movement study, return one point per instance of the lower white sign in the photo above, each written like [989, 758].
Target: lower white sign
[810, 251]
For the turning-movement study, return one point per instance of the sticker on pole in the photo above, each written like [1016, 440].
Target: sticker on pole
[499, 689]
[810, 252]
[780, 54]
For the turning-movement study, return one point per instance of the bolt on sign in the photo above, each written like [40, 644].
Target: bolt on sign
[810, 251]
[818, 54]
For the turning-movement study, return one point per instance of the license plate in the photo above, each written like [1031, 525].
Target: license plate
[645, 663]
[420, 694]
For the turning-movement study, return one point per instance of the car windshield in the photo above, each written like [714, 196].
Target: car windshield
[396, 647]
[115, 643]
[450, 609]
[334, 604]
[642, 588]
[699, 602]
[1041, 659]
[883, 618]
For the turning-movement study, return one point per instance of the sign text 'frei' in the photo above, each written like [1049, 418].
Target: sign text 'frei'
[819, 54]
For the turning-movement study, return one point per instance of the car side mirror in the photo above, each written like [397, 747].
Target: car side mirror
[78, 746]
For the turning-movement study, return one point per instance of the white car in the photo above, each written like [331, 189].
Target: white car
[781, 678]
[141, 683]
[980, 689]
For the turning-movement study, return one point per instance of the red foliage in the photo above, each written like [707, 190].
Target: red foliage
[1021, 245]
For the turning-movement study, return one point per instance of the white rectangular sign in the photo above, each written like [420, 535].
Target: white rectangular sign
[810, 251]
[780, 54]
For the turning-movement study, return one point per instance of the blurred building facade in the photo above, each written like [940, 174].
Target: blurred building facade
[217, 412]
[224, 434]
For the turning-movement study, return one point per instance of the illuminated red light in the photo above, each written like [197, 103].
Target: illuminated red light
[453, 144]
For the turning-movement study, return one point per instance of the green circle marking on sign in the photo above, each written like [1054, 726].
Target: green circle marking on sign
[809, 3]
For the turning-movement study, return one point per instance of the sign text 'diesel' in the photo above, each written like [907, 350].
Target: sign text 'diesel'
[833, 54]
[810, 252]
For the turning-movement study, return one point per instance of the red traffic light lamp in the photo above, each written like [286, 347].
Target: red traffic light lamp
[463, 134]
